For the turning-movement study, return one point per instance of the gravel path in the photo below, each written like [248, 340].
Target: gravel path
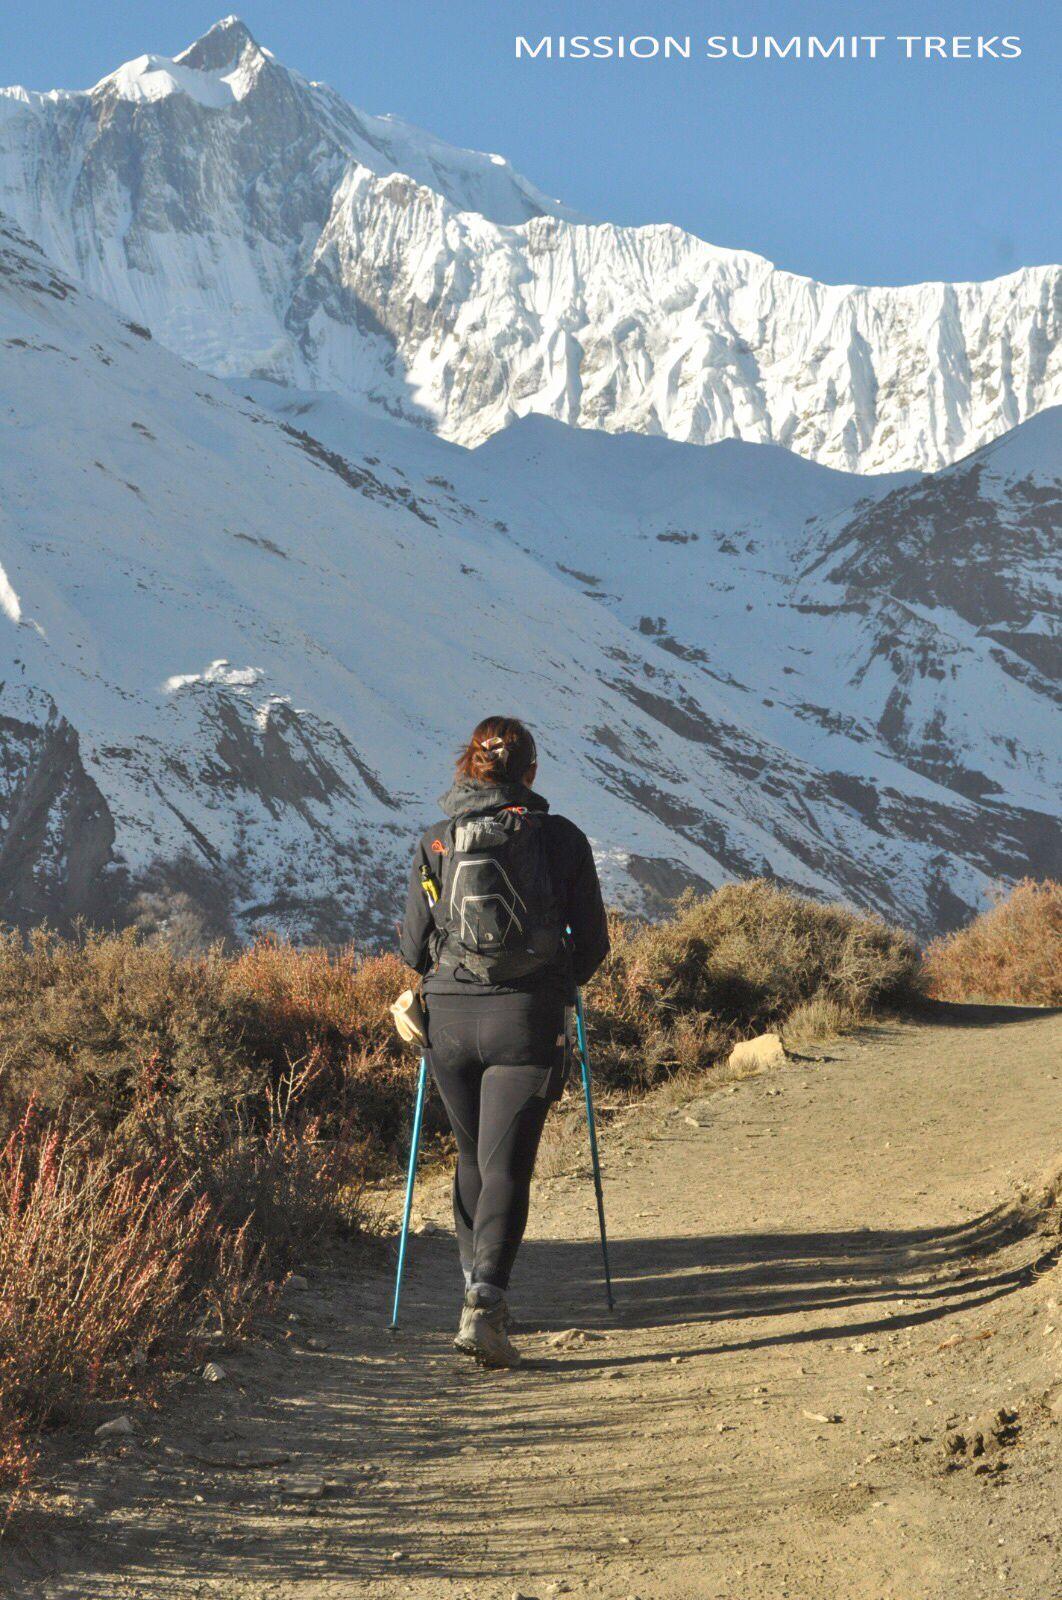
[820, 1281]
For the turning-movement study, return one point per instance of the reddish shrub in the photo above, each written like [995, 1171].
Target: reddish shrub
[95, 1262]
[325, 1018]
[180, 1131]
[1012, 952]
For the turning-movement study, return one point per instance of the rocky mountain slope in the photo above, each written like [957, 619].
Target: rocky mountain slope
[261, 226]
[235, 658]
[922, 618]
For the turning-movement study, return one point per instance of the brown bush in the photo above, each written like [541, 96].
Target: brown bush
[88, 1023]
[95, 1261]
[326, 1016]
[312, 996]
[676, 995]
[178, 1132]
[1012, 952]
[105, 1025]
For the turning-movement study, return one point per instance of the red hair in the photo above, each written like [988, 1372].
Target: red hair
[501, 750]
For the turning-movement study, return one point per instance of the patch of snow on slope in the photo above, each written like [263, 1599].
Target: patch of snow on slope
[155, 77]
[9, 601]
[219, 672]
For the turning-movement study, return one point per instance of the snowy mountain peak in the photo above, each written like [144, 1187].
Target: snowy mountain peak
[221, 67]
[221, 46]
[261, 227]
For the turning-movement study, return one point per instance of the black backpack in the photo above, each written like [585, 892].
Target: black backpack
[497, 913]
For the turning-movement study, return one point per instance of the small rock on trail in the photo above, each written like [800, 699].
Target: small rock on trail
[573, 1337]
[758, 1055]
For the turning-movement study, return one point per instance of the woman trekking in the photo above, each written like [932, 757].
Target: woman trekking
[504, 918]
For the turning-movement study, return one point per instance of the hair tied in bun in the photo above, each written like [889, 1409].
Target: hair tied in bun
[500, 748]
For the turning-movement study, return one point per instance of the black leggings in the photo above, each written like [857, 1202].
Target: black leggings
[498, 1060]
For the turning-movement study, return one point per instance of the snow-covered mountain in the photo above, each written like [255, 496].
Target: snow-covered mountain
[919, 622]
[243, 629]
[261, 226]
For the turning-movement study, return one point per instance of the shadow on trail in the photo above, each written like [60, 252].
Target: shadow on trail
[904, 1278]
[410, 1401]
[968, 1014]
[422, 1408]
[418, 1407]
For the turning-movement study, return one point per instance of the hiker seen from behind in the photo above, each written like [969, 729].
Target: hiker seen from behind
[504, 918]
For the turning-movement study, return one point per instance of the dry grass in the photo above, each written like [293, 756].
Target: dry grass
[1012, 952]
[813, 1021]
[564, 1147]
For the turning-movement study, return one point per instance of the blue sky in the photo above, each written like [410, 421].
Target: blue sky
[855, 171]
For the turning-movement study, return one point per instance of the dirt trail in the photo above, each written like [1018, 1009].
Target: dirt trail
[831, 1241]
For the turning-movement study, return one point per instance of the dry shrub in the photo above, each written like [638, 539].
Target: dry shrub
[107, 1024]
[751, 952]
[179, 1132]
[95, 1261]
[88, 1022]
[1013, 952]
[327, 1014]
[676, 995]
[313, 996]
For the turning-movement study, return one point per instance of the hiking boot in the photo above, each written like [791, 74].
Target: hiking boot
[463, 1338]
[482, 1331]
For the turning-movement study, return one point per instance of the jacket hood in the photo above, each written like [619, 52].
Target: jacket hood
[466, 798]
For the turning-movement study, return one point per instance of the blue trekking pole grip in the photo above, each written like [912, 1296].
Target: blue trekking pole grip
[584, 1057]
[411, 1178]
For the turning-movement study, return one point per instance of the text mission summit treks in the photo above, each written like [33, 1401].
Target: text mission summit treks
[768, 46]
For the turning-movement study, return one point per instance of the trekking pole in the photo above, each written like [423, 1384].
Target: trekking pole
[411, 1178]
[584, 1056]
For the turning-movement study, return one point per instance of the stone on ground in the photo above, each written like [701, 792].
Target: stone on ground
[757, 1055]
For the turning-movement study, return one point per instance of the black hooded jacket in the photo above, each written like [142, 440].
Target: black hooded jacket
[575, 884]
